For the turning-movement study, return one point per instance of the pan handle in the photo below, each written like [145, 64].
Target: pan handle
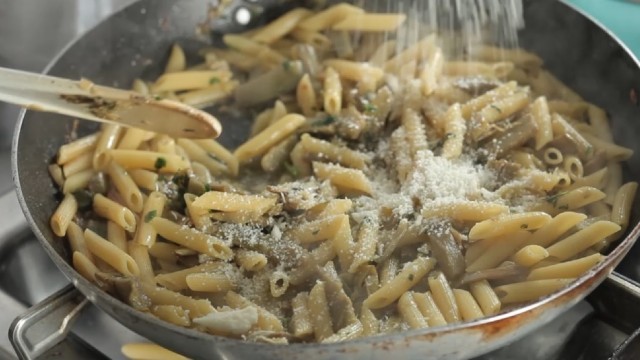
[47, 323]
[616, 301]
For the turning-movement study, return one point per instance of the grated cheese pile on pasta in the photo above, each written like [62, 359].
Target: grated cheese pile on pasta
[382, 188]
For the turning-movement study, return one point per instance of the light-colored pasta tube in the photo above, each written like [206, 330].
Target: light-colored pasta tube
[104, 250]
[78, 164]
[192, 239]
[281, 26]
[366, 243]
[144, 179]
[306, 96]
[320, 314]
[480, 102]
[215, 149]
[84, 266]
[443, 297]
[367, 22]
[541, 116]
[410, 312]
[259, 144]
[582, 240]
[499, 250]
[133, 138]
[347, 180]
[511, 223]
[149, 351]
[115, 212]
[454, 131]
[332, 92]
[108, 140]
[329, 17]
[405, 280]
[529, 290]
[301, 324]
[530, 255]
[209, 282]
[559, 225]
[72, 150]
[173, 314]
[463, 210]
[566, 269]
[177, 280]
[429, 309]
[75, 235]
[153, 207]
[117, 235]
[126, 187]
[278, 283]
[177, 60]
[77, 181]
[469, 308]
[231, 202]
[64, 214]
[197, 153]
[331, 152]
[161, 296]
[250, 260]
[148, 160]
[57, 175]
[485, 296]
[188, 80]
[622, 203]
[140, 254]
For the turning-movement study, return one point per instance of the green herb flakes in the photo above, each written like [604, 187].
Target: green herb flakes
[369, 108]
[291, 169]
[160, 163]
[150, 216]
[326, 121]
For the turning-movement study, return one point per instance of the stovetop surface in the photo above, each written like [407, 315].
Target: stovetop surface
[33, 31]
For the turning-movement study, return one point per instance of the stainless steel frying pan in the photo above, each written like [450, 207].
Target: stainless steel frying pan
[134, 43]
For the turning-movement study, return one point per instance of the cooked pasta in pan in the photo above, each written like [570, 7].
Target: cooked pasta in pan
[384, 186]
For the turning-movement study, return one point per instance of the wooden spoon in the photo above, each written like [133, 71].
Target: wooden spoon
[85, 100]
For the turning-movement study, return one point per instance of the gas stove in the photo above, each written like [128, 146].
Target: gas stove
[32, 32]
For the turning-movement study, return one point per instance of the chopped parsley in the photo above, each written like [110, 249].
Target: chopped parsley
[181, 179]
[449, 135]
[524, 226]
[160, 163]
[496, 108]
[315, 232]
[157, 97]
[411, 277]
[589, 151]
[291, 169]
[150, 215]
[207, 187]
[214, 80]
[553, 199]
[286, 65]
[369, 107]
[328, 120]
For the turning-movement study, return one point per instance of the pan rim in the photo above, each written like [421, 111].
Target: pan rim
[612, 259]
